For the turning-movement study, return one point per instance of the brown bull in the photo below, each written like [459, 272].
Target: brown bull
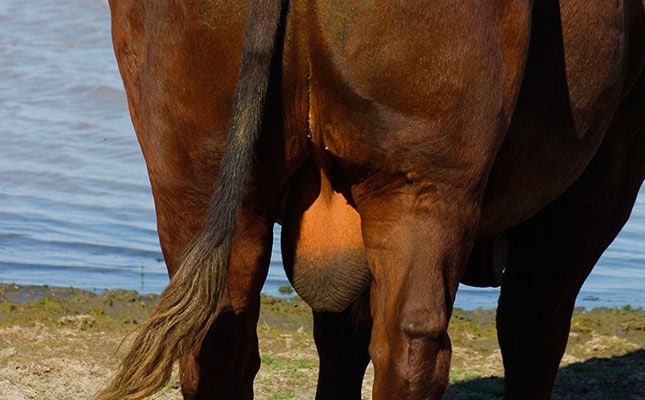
[394, 135]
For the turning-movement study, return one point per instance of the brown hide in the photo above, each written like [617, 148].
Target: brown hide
[179, 61]
[401, 131]
[179, 78]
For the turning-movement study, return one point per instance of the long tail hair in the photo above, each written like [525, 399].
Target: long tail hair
[186, 308]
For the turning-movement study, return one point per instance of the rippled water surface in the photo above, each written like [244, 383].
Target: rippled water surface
[75, 204]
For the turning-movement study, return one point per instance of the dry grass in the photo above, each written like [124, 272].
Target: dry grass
[61, 344]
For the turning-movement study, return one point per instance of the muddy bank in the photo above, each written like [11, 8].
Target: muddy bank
[63, 344]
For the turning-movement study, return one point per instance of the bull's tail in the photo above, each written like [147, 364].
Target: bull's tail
[186, 309]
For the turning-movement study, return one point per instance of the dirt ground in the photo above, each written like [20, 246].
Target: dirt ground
[63, 344]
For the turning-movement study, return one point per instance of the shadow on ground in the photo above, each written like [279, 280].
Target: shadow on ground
[614, 378]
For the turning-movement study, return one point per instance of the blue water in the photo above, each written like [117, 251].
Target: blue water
[75, 204]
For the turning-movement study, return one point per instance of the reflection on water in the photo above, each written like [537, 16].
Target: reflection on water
[75, 204]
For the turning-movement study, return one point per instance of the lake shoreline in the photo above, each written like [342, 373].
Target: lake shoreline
[63, 343]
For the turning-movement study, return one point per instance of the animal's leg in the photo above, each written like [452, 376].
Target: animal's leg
[412, 131]
[342, 340]
[227, 362]
[417, 240]
[228, 359]
[552, 254]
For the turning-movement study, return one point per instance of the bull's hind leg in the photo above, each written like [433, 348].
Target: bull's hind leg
[342, 340]
[552, 254]
[225, 365]
[410, 118]
[417, 240]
